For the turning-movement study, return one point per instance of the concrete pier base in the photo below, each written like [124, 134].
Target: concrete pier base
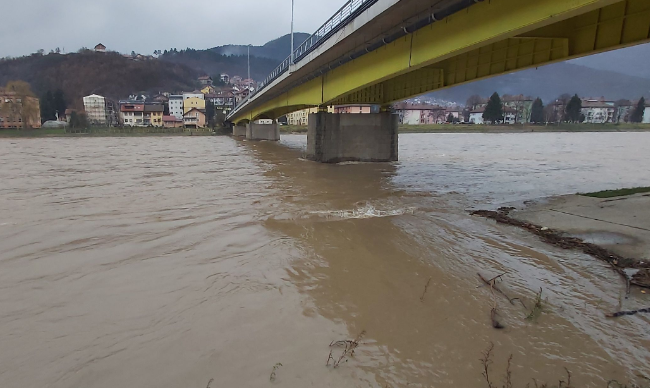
[239, 130]
[334, 138]
[269, 132]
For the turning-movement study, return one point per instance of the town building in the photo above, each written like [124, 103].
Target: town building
[205, 80]
[176, 106]
[236, 80]
[362, 108]
[509, 116]
[193, 103]
[153, 115]
[624, 111]
[132, 113]
[19, 112]
[172, 122]
[598, 110]
[194, 118]
[223, 101]
[99, 110]
[194, 94]
[100, 48]
[209, 89]
[300, 117]
[225, 78]
[521, 105]
[419, 114]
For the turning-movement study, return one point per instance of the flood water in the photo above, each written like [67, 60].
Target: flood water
[171, 261]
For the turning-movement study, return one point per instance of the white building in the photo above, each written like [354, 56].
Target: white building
[176, 106]
[95, 107]
[598, 111]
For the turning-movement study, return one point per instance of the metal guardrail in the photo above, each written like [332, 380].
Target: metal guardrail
[341, 18]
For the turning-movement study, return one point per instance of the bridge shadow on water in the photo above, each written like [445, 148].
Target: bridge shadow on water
[401, 266]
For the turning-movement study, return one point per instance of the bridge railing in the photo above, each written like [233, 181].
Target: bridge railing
[341, 18]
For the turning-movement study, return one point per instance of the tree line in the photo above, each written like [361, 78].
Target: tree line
[571, 109]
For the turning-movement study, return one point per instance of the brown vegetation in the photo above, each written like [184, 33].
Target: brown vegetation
[107, 74]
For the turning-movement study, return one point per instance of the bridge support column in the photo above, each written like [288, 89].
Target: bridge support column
[263, 132]
[334, 138]
[239, 130]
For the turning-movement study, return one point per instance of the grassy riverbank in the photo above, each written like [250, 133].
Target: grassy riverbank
[103, 132]
[617, 193]
[463, 128]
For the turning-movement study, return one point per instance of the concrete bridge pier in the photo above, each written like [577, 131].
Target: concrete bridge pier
[334, 138]
[269, 132]
[239, 130]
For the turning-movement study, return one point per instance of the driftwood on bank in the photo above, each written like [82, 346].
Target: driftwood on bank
[557, 238]
[348, 346]
[631, 312]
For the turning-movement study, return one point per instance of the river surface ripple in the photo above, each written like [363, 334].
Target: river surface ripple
[167, 262]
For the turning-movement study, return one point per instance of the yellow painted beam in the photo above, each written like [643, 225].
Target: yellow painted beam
[617, 25]
[489, 38]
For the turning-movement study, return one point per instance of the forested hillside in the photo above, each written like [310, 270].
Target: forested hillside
[108, 74]
[211, 63]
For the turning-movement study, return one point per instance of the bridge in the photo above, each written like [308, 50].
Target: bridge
[382, 51]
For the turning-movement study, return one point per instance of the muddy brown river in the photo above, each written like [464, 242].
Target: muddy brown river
[174, 261]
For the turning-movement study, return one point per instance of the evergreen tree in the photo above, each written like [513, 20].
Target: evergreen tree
[450, 118]
[639, 112]
[209, 113]
[494, 110]
[573, 111]
[47, 109]
[537, 112]
[58, 102]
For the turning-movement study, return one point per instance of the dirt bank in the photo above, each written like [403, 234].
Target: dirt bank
[615, 230]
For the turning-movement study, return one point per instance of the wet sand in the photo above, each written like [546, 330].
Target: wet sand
[620, 224]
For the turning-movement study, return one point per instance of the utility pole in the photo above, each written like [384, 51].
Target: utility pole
[292, 4]
[249, 61]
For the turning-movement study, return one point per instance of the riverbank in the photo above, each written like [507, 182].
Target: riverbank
[102, 132]
[613, 226]
[463, 128]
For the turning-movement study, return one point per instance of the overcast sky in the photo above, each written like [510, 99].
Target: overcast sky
[147, 25]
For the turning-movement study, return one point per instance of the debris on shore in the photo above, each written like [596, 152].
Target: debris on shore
[560, 239]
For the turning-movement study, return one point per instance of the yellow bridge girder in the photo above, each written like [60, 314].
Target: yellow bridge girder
[487, 39]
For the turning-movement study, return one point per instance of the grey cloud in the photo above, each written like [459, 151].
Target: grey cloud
[147, 25]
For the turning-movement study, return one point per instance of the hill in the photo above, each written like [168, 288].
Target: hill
[631, 61]
[277, 49]
[211, 63]
[548, 82]
[108, 74]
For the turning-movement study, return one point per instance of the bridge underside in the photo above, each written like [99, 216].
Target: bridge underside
[487, 39]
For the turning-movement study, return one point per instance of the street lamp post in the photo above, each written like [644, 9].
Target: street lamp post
[292, 3]
[249, 61]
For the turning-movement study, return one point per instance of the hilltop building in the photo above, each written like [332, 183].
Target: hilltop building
[100, 48]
